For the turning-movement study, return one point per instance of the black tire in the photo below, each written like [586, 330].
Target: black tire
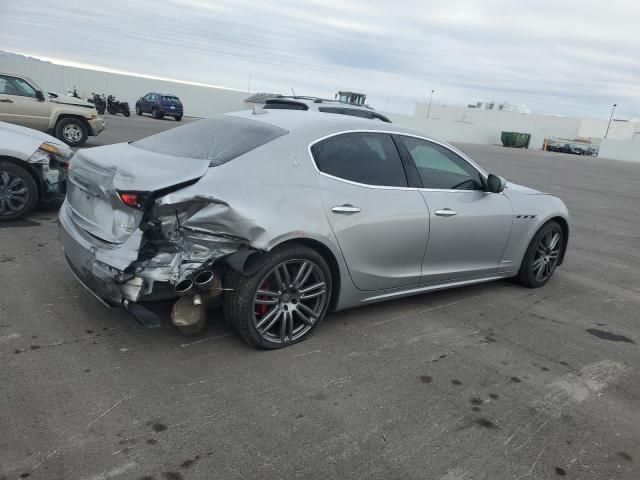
[100, 110]
[72, 131]
[178, 118]
[534, 258]
[111, 110]
[155, 114]
[239, 307]
[127, 113]
[21, 179]
[138, 110]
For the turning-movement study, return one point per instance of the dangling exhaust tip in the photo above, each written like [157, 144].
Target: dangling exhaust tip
[184, 286]
[189, 314]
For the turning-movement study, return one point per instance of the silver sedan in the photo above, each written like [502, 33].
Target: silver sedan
[280, 216]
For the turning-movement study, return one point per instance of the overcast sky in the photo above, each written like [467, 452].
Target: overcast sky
[572, 57]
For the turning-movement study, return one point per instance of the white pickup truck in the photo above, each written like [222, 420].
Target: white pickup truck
[69, 119]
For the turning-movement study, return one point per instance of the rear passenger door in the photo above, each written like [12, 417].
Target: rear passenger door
[381, 224]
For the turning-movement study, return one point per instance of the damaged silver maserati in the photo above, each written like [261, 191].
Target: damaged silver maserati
[280, 216]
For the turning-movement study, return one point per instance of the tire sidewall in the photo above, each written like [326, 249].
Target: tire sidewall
[526, 275]
[31, 186]
[242, 308]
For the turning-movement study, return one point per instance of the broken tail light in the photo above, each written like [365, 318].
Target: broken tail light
[135, 200]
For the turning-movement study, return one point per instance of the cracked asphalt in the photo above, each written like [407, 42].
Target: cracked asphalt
[488, 382]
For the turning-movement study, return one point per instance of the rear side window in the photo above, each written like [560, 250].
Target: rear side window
[218, 139]
[369, 158]
[170, 100]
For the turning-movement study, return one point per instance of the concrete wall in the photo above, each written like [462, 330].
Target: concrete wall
[461, 124]
[620, 150]
[590, 127]
[199, 101]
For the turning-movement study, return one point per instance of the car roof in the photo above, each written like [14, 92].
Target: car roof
[292, 120]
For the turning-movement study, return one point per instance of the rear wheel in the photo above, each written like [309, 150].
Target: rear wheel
[72, 131]
[283, 302]
[178, 118]
[155, 113]
[18, 192]
[542, 256]
[138, 110]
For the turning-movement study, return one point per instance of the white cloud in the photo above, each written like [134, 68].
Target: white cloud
[564, 57]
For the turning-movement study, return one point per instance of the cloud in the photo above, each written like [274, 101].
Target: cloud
[559, 57]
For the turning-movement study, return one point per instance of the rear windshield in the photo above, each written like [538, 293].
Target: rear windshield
[217, 139]
[171, 100]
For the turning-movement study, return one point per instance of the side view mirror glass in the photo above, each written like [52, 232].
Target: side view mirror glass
[495, 184]
[40, 95]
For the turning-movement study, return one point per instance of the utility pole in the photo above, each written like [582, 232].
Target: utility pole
[249, 85]
[430, 98]
[610, 118]
[386, 105]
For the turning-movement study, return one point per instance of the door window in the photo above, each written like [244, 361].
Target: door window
[369, 158]
[440, 168]
[16, 86]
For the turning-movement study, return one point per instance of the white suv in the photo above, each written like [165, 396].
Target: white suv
[69, 119]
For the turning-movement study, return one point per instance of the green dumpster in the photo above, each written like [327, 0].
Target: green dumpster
[516, 139]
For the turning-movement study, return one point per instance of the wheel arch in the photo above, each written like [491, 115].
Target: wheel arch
[30, 169]
[84, 121]
[565, 233]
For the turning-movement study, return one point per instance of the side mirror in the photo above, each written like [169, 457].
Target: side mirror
[495, 184]
[40, 95]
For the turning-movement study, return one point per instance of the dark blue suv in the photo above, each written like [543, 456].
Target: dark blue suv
[159, 105]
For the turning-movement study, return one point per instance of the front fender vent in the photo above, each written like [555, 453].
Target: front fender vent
[526, 216]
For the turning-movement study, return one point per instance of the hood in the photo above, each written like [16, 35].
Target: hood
[35, 134]
[65, 100]
[521, 189]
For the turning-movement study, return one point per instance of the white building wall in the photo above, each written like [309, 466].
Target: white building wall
[592, 128]
[620, 150]
[199, 101]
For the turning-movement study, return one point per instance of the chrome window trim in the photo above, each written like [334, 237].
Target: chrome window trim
[476, 167]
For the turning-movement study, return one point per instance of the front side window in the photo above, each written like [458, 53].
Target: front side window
[441, 168]
[16, 86]
[369, 158]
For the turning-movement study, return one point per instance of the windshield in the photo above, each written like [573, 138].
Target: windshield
[217, 139]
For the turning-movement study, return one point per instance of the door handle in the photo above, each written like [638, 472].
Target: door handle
[445, 212]
[6, 100]
[345, 209]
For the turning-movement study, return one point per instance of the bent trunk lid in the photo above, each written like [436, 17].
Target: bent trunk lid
[97, 175]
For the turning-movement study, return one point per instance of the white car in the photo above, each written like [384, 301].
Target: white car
[33, 169]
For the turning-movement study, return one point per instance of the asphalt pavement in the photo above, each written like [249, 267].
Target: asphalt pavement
[487, 382]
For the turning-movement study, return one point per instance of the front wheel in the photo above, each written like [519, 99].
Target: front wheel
[127, 113]
[283, 302]
[72, 131]
[542, 256]
[18, 192]
[138, 110]
[178, 118]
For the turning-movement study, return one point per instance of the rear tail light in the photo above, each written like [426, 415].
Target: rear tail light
[135, 200]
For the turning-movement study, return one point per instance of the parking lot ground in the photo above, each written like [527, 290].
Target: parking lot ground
[488, 382]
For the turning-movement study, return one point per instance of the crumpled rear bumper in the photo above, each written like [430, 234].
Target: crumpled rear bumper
[83, 255]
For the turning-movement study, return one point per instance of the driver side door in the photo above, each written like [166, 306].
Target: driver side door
[469, 227]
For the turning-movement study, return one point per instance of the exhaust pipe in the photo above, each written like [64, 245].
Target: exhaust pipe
[184, 286]
[204, 280]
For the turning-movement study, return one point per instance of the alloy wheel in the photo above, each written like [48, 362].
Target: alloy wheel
[546, 256]
[289, 301]
[72, 133]
[14, 194]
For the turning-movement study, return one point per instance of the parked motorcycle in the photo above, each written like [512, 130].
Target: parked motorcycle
[99, 101]
[115, 106]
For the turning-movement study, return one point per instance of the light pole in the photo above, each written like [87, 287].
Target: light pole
[430, 98]
[249, 85]
[610, 118]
